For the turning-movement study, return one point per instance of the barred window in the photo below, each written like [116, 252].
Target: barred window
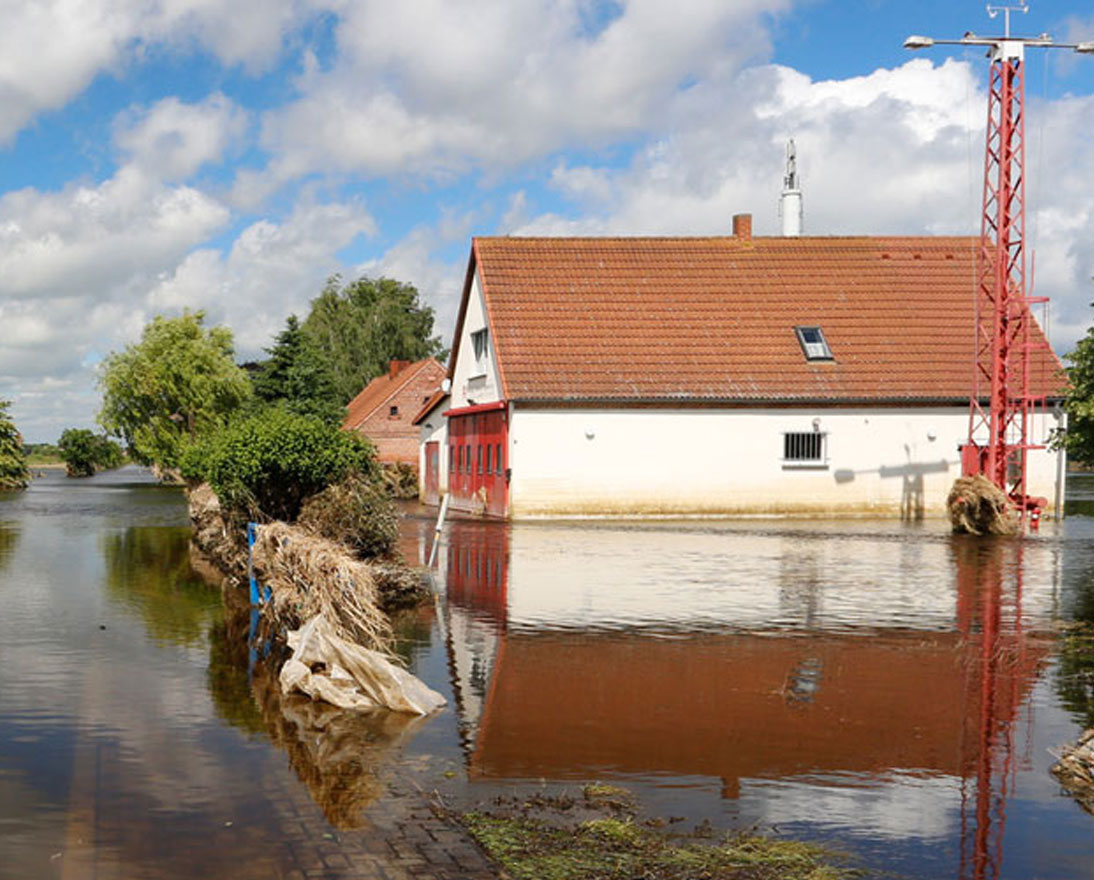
[805, 447]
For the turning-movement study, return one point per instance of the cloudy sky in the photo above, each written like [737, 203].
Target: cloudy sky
[169, 154]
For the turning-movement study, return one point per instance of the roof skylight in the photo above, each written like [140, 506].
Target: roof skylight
[814, 345]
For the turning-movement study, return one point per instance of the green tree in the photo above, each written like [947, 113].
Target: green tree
[84, 453]
[177, 384]
[1079, 439]
[13, 460]
[365, 324]
[299, 376]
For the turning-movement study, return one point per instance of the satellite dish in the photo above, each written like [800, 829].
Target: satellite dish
[446, 385]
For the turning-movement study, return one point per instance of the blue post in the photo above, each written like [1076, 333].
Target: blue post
[259, 595]
[256, 596]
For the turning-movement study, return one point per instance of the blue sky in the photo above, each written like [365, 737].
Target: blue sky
[170, 154]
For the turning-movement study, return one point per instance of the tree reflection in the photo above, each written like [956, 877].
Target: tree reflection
[9, 537]
[148, 569]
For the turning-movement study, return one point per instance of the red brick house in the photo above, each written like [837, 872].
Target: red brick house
[384, 411]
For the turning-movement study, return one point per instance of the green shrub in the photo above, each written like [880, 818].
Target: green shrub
[84, 452]
[265, 465]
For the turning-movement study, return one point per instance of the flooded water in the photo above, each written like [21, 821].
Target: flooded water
[880, 686]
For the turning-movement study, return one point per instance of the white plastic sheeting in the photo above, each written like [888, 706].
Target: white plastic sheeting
[327, 667]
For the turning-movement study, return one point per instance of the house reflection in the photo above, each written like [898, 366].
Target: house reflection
[832, 685]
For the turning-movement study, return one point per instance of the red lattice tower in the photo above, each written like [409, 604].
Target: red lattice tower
[1004, 397]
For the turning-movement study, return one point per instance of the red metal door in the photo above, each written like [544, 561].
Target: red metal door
[477, 454]
[432, 472]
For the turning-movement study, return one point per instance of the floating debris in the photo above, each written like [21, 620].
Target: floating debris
[336, 671]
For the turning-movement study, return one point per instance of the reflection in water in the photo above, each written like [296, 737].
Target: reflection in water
[148, 569]
[860, 669]
[9, 537]
[339, 755]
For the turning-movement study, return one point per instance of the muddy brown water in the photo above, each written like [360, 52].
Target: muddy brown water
[880, 686]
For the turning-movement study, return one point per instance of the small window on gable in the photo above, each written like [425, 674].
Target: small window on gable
[480, 341]
[393, 412]
[813, 343]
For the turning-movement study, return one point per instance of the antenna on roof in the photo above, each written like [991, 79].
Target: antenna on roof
[790, 203]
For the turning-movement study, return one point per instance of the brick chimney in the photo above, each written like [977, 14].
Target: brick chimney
[396, 367]
[742, 226]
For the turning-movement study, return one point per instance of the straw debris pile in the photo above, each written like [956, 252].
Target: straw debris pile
[978, 507]
[356, 513]
[311, 576]
[1075, 770]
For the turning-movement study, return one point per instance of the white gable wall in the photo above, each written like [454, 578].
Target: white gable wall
[695, 461]
[473, 380]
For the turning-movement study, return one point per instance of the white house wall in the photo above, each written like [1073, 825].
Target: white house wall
[474, 382]
[708, 461]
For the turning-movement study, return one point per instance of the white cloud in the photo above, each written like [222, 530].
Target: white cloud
[171, 140]
[74, 266]
[440, 86]
[272, 270]
[89, 239]
[415, 260]
[896, 152]
[51, 50]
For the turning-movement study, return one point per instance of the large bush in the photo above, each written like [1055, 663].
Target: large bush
[265, 465]
[84, 452]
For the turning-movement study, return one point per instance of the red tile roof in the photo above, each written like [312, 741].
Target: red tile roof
[712, 319]
[379, 391]
[435, 401]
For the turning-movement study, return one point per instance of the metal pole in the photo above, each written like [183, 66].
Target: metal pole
[437, 530]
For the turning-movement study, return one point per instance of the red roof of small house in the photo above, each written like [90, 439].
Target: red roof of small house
[381, 389]
[713, 319]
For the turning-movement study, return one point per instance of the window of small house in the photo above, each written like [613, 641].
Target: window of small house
[468, 458]
[813, 343]
[393, 412]
[480, 341]
[805, 448]
[489, 449]
[459, 466]
[478, 460]
[452, 459]
[497, 459]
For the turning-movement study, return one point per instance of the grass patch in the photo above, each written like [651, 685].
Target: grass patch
[535, 847]
[600, 794]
